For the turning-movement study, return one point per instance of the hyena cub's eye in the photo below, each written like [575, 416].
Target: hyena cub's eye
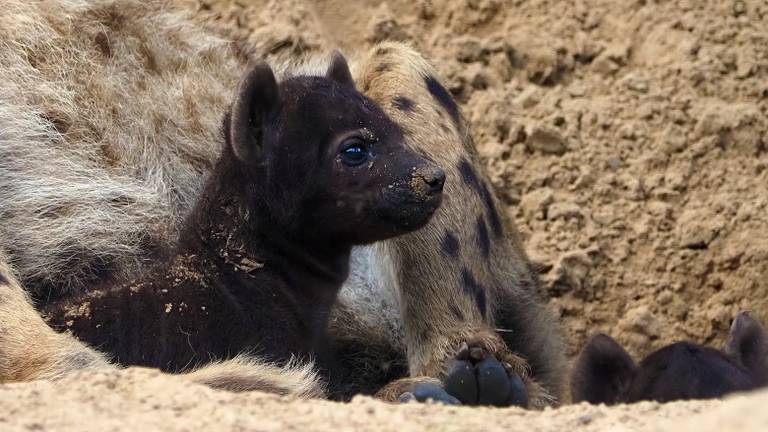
[354, 152]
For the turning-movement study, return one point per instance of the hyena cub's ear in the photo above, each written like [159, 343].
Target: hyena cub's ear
[603, 372]
[257, 96]
[748, 344]
[338, 70]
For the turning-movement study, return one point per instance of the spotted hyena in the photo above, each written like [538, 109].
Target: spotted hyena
[110, 115]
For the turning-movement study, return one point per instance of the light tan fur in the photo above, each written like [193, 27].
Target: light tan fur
[29, 349]
[244, 373]
[116, 108]
[109, 120]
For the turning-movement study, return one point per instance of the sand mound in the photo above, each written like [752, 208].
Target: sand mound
[144, 400]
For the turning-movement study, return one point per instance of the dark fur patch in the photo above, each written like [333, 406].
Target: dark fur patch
[3, 280]
[469, 175]
[457, 312]
[102, 43]
[403, 103]
[445, 128]
[352, 367]
[475, 290]
[382, 51]
[443, 96]
[57, 120]
[383, 67]
[483, 240]
[150, 61]
[450, 245]
[493, 215]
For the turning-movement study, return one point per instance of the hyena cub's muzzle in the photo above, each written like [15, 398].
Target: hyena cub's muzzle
[411, 200]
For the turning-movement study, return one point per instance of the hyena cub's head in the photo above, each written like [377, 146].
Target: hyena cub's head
[605, 373]
[322, 161]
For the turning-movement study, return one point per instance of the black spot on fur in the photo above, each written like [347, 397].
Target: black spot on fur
[3, 280]
[403, 103]
[383, 67]
[382, 51]
[57, 120]
[450, 245]
[102, 43]
[441, 94]
[475, 290]
[149, 59]
[483, 240]
[457, 312]
[445, 128]
[493, 215]
[469, 175]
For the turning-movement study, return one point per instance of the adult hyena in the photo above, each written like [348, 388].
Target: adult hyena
[109, 121]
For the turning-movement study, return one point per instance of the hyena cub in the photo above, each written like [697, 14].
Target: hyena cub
[605, 373]
[310, 168]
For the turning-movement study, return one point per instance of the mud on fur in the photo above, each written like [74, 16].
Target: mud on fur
[108, 130]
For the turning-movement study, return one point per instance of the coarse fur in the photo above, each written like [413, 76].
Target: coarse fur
[605, 373]
[109, 120]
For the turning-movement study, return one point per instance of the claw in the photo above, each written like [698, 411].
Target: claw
[463, 353]
[477, 353]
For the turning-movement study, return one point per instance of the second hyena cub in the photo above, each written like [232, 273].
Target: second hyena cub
[605, 373]
[311, 168]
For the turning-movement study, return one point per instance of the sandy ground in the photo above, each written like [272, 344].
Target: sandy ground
[628, 139]
[143, 400]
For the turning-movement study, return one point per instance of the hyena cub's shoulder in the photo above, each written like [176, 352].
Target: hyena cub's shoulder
[311, 168]
[605, 372]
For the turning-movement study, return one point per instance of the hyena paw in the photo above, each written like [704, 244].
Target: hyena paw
[485, 373]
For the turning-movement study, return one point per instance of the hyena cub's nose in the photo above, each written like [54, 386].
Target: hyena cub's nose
[432, 179]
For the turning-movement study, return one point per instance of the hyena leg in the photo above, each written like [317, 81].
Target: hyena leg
[29, 348]
[452, 275]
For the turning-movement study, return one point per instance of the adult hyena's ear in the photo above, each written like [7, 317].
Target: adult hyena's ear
[257, 96]
[338, 70]
[748, 343]
[603, 372]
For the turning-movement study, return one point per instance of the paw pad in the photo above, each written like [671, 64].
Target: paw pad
[478, 378]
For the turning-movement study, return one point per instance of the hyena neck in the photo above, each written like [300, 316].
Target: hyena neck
[239, 236]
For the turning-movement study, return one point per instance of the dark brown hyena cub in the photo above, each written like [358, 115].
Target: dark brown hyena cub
[311, 168]
[605, 373]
